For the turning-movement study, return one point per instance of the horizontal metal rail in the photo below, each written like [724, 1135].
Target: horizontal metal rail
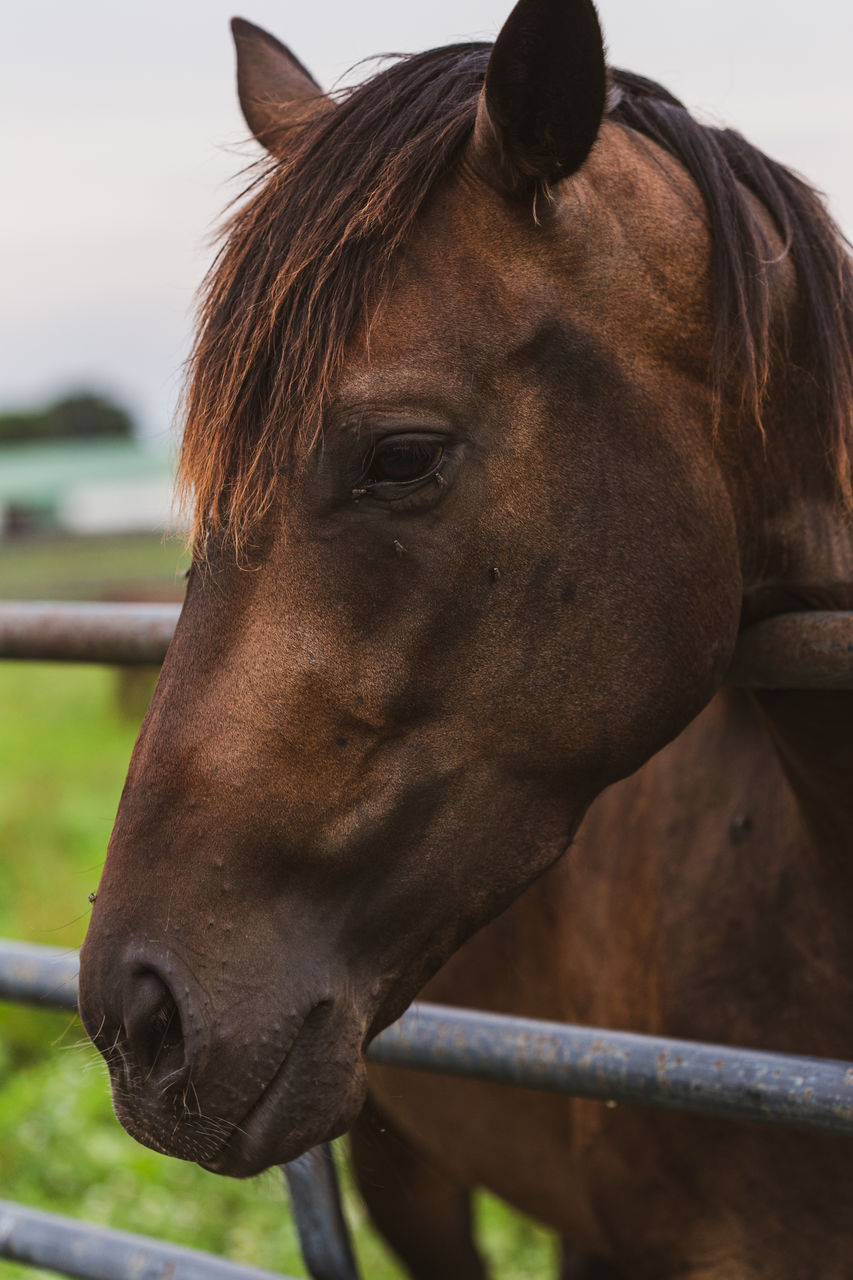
[40, 1239]
[37, 975]
[791, 651]
[796, 651]
[622, 1067]
[125, 634]
[611, 1066]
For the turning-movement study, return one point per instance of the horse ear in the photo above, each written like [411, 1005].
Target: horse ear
[545, 94]
[275, 89]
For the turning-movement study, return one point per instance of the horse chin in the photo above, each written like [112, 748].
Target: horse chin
[285, 1122]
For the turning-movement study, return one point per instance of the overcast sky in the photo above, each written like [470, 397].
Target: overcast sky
[120, 130]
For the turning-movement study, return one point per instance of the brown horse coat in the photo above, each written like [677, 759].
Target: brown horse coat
[697, 900]
[512, 401]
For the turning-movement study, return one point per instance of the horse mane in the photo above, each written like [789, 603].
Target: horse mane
[315, 241]
[727, 170]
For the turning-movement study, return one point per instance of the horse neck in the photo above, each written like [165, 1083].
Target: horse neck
[810, 730]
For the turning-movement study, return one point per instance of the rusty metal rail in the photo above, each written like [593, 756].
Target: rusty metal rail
[126, 634]
[791, 651]
[796, 651]
[611, 1066]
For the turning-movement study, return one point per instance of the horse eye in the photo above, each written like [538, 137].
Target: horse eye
[403, 460]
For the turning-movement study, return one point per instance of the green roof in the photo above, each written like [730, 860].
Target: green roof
[39, 475]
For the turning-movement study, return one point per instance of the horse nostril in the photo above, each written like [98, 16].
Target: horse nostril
[152, 1026]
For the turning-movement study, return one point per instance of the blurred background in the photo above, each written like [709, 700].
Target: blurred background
[121, 144]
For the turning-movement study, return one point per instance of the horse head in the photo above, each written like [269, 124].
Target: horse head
[467, 551]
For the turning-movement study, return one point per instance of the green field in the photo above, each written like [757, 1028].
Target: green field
[92, 568]
[65, 738]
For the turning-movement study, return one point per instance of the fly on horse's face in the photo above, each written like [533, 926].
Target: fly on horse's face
[505, 575]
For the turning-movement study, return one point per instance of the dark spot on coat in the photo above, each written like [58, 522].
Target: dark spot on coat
[740, 828]
[569, 593]
[342, 742]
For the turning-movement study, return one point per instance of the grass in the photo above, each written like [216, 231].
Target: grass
[65, 739]
[80, 568]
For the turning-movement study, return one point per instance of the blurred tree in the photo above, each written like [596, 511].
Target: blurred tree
[76, 417]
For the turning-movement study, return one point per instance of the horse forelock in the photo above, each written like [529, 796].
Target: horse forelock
[304, 257]
[316, 238]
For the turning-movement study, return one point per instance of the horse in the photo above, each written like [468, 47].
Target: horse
[517, 394]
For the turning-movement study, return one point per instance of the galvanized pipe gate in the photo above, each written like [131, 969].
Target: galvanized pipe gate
[802, 651]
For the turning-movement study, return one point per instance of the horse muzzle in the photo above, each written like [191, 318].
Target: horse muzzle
[233, 1084]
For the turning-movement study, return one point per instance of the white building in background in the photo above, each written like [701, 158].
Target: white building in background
[120, 506]
[85, 487]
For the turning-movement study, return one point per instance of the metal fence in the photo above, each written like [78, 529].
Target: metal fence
[794, 650]
[813, 650]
